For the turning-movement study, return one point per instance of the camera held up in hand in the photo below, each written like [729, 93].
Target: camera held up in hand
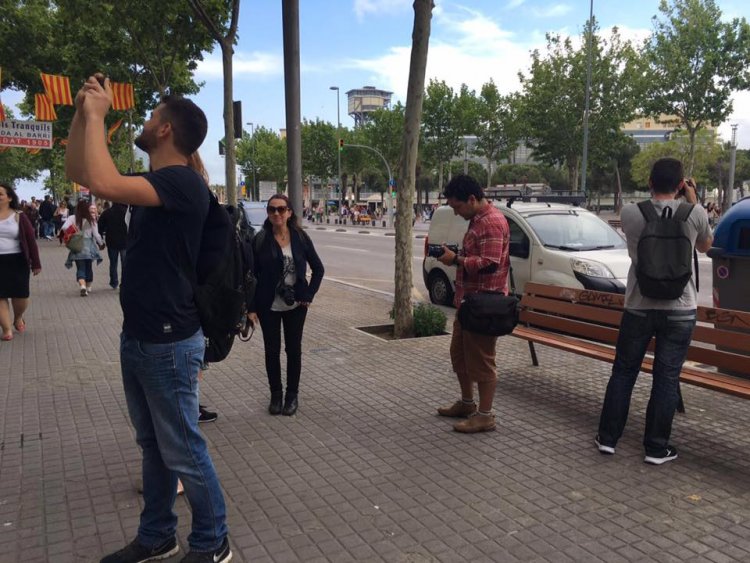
[437, 250]
[286, 292]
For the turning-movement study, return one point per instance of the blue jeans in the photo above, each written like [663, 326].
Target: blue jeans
[114, 254]
[48, 229]
[672, 331]
[85, 270]
[161, 389]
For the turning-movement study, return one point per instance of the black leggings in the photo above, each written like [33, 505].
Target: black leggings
[294, 322]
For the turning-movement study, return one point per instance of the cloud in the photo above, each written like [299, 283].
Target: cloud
[257, 63]
[466, 47]
[514, 4]
[553, 11]
[376, 7]
[740, 117]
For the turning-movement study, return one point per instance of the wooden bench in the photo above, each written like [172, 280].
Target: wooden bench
[615, 224]
[587, 323]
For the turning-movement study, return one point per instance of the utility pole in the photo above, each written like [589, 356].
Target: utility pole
[589, 42]
[290, 22]
[338, 152]
[729, 197]
[253, 195]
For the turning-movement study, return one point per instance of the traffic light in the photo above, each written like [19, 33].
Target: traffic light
[341, 145]
[221, 148]
[237, 122]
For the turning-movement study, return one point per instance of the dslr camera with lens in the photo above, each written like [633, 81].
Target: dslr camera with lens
[437, 250]
[286, 292]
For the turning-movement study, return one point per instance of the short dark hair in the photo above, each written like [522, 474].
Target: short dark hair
[188, 122]
[11, 193]
[461, 187]
[666, 175]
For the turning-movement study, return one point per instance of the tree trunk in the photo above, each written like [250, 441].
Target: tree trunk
[691, 155]
[230, 162]
[440, 177]
[402, 307]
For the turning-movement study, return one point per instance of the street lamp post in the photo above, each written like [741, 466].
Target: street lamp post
[253, 195]
[729, 198]
[584, 158]
[338, 149]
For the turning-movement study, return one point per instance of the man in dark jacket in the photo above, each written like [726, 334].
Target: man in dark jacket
[46, 214]
[115, 232]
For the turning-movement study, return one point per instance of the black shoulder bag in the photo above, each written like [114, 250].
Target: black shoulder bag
[490, 313]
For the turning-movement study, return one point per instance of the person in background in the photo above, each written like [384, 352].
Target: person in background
[282, 251]
[46, 214]
[115, 232]
[60, 216]
[32, 212]
[85, 221]
[19, 255]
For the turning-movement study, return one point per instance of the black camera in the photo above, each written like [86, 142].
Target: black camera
[286, 292]
[437, 250]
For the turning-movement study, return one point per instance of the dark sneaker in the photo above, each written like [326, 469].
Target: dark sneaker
[221, 555]
[603, 448]
[134, 552]
[669, 454]
[206, 415]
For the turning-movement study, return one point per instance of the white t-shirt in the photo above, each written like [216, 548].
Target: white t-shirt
[633, 223]
[10, 243]
[289, 276]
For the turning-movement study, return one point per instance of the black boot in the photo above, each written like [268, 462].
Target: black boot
[290, 405]
[274, 407]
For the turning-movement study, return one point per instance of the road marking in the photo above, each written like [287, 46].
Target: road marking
[349, 248]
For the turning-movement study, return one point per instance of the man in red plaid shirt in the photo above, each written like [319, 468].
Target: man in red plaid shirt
[482, 266]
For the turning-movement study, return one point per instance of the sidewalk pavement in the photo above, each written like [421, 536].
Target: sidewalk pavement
[365, 471]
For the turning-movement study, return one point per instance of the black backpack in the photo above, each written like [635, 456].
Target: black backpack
[665, 252]
[223, 282]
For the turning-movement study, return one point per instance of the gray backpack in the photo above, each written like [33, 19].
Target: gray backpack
[665, 252]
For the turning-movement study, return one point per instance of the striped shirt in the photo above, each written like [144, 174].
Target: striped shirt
[485, 252]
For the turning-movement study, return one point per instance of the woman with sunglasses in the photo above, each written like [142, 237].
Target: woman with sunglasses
[282, 251]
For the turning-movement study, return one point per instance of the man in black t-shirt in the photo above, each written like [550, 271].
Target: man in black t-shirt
[115, 232]
[162, 345]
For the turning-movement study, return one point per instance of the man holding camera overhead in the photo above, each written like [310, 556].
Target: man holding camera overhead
[482, 266]
[661, 300]
[162, 344]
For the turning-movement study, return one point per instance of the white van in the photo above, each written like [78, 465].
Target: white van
[550, 243]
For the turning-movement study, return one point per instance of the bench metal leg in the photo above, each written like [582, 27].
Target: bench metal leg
[680, 402]
[532, 351]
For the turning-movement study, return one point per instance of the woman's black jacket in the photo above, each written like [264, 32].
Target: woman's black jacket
[269, 263]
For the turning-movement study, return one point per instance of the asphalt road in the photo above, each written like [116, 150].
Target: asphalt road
[367, 260]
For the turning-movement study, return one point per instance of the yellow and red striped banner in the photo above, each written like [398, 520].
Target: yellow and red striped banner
[33, 151]
[112, 130]
[123, 96]
[43, 108]
[57, 89]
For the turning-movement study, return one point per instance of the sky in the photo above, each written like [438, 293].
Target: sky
[355, 43]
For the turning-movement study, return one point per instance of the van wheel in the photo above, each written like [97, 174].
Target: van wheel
[440, 289]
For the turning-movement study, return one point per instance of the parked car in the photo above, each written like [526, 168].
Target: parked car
[255, 213]
[550, 243]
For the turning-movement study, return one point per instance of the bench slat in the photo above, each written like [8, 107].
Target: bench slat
[694, 376]
[736, 341]
[574, 327]
[575, 310]
[583, 296]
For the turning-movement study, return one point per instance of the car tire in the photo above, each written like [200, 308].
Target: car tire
[439, 286]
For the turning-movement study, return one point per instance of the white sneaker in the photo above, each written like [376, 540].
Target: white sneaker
[84, 292]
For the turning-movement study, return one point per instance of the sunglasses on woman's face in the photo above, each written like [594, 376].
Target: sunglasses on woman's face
[281, 209]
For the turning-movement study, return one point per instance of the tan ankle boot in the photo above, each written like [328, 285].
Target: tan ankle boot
[458, 409]
[476, 423]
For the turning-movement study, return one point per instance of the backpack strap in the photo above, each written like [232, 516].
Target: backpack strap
[648, 210]
[683, 211]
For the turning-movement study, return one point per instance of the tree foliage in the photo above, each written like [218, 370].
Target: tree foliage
[554, 98]
[696, 61]
[497, 128]
[441, 125]
[265, 153]
[319, 146]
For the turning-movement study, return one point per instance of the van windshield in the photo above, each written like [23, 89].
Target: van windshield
[574, 232]
[255, 215]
